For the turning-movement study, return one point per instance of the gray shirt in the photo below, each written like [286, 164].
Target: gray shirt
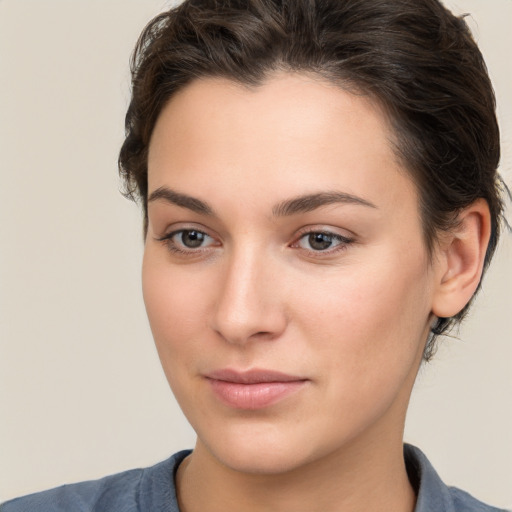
[152, 490]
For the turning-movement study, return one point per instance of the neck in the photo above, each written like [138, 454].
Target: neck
[362, 477]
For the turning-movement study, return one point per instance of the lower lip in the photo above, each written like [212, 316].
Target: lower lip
[253, 396]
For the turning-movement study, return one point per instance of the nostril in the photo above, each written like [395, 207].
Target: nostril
[264, 335]
[238, 332]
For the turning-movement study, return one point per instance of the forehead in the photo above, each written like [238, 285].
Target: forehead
[294, 132]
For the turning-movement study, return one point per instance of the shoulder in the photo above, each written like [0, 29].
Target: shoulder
[137, 490]
[118, 490]
[465, 502]
[432, 493]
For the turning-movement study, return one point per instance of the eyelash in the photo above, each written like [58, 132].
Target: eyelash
[341, 245]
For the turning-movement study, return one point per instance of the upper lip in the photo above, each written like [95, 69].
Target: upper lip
[253, 376]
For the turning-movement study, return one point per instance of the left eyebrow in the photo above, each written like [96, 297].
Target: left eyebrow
[310, 202]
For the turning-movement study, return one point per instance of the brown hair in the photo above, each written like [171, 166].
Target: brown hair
[414, 56]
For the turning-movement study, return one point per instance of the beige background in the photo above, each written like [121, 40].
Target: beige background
[81, 391]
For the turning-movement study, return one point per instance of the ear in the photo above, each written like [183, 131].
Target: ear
[460, 260]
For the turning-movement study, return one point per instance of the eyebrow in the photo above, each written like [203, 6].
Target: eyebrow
[301, 204]
[310, 202]
[183, 200]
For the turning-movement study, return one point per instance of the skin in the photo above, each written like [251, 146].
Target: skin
[351, 319]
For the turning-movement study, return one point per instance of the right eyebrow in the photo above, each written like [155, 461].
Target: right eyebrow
[182, 200]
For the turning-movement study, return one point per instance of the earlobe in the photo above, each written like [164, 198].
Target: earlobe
[460, 260]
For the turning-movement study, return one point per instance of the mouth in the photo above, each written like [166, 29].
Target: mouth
[253, 389]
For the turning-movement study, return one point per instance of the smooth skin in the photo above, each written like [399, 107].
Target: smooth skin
[337, 289]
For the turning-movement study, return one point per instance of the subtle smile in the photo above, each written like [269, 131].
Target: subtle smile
[254, 389]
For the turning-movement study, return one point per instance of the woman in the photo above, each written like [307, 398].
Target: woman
[321, 200]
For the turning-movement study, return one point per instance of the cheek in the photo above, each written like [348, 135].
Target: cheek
[374, 320]
[176, 313]
[175, 304]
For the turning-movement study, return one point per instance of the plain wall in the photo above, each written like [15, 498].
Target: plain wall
[81, 389]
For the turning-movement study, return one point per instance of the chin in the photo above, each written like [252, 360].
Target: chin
[261, 449]
[260, 460]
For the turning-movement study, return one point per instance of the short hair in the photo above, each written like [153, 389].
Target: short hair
[414, 57]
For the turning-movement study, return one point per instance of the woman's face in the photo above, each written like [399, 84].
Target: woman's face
[285, 275]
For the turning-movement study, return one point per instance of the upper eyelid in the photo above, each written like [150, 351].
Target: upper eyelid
[326, 230]
[173, 229]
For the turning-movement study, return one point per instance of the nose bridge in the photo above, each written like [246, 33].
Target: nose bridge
[247, 302]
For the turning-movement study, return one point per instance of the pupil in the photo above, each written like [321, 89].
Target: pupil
[320, 241]
[192, 239]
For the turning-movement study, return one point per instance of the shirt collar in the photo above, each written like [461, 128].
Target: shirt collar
[432, 493]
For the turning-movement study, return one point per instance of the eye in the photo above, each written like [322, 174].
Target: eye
[187, 240]
[190, 238]
[322, 241]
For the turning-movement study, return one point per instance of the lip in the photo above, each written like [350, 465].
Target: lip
[253, 389]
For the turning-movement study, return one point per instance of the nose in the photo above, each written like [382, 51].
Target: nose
[249, 304]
